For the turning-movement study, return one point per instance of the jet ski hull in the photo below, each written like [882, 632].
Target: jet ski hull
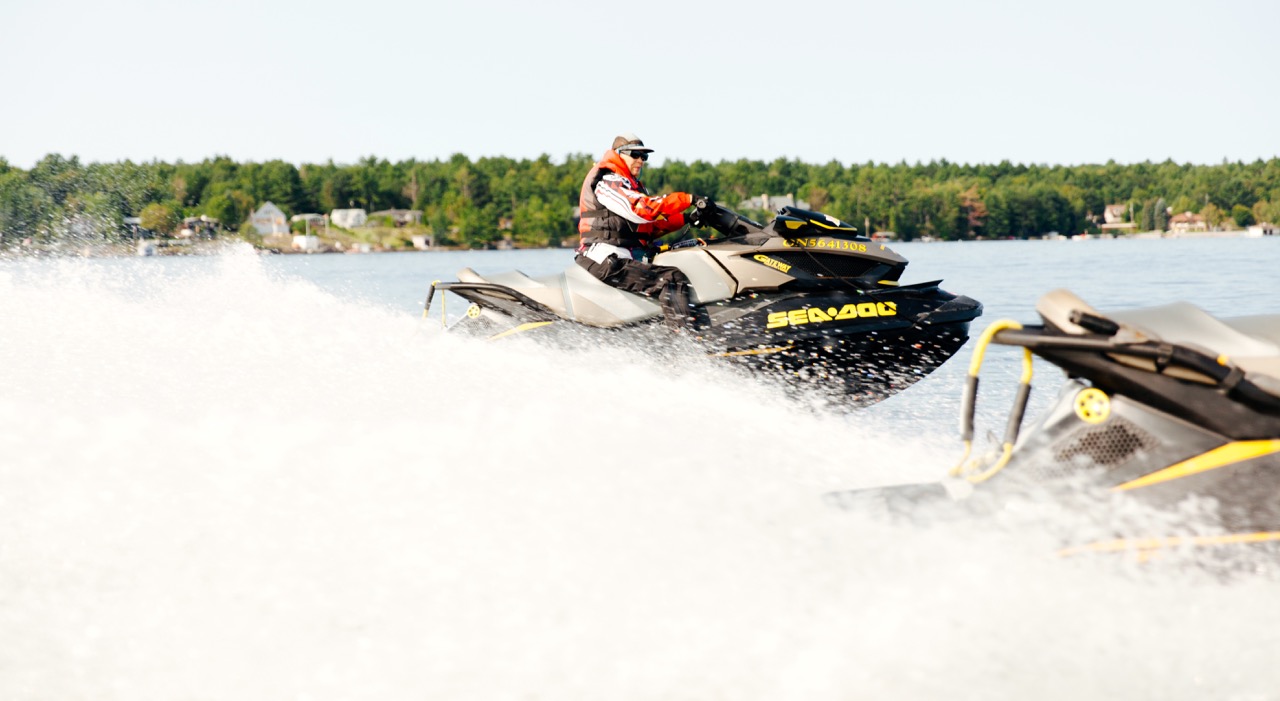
[859, 348]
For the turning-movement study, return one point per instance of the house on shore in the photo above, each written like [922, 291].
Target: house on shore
[1187, 222]
[202, 226]
[1113, 220]
[348, 218]
[269, 220]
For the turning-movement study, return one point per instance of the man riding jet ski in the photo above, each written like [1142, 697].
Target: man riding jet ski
[802, 297]
[1163, 403]
[617, 216]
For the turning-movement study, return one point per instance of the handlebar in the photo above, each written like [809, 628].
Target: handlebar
[706, 213]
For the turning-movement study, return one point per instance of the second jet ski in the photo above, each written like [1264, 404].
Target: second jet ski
[1167, 405]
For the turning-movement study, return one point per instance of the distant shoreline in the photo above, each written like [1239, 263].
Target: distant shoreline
[218, 247]
[474, 202]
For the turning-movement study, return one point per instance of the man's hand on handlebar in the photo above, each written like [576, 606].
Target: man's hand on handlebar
[702, 206]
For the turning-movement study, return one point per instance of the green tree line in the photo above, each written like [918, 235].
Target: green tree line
[474, 202]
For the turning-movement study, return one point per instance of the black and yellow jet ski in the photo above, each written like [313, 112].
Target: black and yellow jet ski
[1163, 404]
[803, 297]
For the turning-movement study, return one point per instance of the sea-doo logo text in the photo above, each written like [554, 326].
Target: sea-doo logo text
[814, 315]
[837, 244]
[777, 264]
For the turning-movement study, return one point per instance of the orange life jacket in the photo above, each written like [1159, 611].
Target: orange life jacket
[597, 223]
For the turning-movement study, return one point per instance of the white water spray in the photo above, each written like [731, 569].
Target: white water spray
[216, 483]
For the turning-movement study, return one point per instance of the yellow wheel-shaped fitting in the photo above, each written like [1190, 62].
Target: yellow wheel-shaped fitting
[1093, 406]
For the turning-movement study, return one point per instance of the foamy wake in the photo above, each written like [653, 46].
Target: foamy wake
[220, 484]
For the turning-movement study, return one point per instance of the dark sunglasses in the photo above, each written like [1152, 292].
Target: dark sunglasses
[642, 155]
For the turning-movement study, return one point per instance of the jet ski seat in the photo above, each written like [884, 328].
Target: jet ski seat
[575, 295]
[1252, 343]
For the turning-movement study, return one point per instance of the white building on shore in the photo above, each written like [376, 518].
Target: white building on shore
[348, 218]
[269, 220]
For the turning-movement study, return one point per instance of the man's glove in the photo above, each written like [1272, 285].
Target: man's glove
[701, 208]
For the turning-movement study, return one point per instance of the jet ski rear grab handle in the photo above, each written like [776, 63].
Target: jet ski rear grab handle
[426, 306]
[1225, 375]
[976, 470]
[489, 286]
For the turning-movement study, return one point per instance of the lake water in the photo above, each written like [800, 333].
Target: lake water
[245, 477]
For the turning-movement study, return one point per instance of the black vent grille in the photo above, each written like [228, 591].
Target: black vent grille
[1105, 445]
[826, 264]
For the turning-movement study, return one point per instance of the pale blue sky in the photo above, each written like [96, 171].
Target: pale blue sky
[973, 82]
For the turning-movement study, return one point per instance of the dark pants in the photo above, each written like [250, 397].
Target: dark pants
[668, 284]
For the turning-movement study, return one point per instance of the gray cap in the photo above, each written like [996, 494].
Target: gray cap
[628, 141]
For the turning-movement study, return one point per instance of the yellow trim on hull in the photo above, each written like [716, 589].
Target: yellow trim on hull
[520, 329]
[753, 351]
[1221, 456]
[1144, 545]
